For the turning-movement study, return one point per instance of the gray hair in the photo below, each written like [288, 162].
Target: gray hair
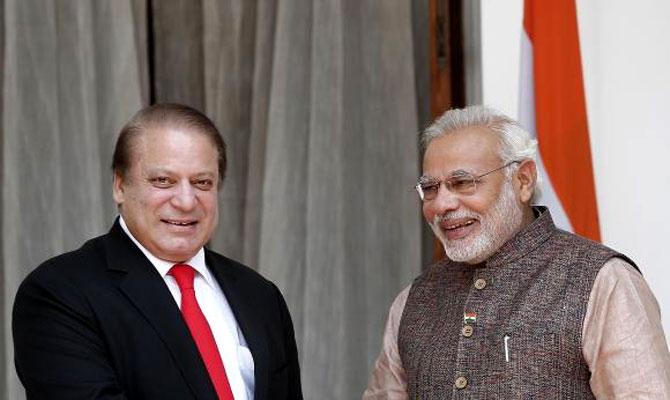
[516, 144]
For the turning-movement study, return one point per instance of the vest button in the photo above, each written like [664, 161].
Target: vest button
[461, 382]
[480, 284]
[467, 330]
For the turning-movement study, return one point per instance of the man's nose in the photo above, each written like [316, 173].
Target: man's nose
[444, 201]
[184, 198]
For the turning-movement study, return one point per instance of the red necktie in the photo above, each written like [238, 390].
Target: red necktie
[200, 330]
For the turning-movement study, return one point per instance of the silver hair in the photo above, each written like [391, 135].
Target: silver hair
[516, 144]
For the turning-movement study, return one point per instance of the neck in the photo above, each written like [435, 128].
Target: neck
[528, 217]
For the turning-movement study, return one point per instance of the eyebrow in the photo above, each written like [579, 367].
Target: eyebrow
[165, 171]
[452, 174]
[426, 179]
[201, 175]
[461, 172]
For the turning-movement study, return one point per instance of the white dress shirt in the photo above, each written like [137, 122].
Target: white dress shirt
[229, 339]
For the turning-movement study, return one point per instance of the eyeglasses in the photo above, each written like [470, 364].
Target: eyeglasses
[463, 183]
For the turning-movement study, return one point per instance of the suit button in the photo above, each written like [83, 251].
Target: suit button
[480, 284]
[461, 382]
[467, 330]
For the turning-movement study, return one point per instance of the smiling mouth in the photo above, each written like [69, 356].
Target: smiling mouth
[454, 226]
[179, 223]
[458, 228]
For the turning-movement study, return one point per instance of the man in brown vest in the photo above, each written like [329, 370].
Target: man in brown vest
[519, 309]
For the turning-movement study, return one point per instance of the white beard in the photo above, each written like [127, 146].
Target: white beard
[497, 226]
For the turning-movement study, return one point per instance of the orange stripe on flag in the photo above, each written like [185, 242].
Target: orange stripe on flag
[560, 109]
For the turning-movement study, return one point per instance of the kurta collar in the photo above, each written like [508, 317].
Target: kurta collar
[536, 233]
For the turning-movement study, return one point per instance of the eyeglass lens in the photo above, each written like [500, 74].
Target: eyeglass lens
[464, 183]
[461, 184]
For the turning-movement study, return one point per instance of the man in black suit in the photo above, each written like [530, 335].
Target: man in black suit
[145, 311]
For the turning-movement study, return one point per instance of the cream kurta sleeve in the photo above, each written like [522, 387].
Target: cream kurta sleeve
[388, 380]
[623, 341]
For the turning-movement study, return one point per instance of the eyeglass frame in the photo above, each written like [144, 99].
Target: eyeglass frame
[475, 179]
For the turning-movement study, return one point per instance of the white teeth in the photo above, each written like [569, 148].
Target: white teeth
[179, 223]
[467, 223]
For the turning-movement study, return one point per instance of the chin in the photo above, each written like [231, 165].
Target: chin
[180, 258]
[467, 260]
[178, 255]
[470, 250]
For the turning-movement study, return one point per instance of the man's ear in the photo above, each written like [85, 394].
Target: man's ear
[526, 177]
[117, 189]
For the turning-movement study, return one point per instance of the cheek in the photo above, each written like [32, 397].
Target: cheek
[428, 212]
[157, 199]
[210, 205]
[485, 203]
[474, 205]
[481, 201]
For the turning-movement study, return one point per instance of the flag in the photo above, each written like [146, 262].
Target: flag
[552, 106]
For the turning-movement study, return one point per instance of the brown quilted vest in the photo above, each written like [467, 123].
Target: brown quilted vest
[509, 328]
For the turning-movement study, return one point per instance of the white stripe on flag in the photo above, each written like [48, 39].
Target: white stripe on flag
[547, 196]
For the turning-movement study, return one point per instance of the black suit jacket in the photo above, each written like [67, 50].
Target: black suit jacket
[100, 323]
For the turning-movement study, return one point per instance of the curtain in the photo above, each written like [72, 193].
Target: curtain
[317, 103]
[340, 228]
[72, 74]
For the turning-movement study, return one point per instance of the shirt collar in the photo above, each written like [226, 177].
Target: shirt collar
[163, 267]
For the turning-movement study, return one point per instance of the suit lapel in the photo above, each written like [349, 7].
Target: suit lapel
[145, 288]
[247, 319]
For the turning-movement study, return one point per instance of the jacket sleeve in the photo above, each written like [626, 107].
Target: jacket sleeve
[291, 351]
[58, 351]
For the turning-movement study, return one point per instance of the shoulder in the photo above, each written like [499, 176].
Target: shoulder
[570, 250]
[578, 245]
[248, 291]
[617, 274]
[73, 266]
[65, 283]
[619, 286]
[398, 307]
